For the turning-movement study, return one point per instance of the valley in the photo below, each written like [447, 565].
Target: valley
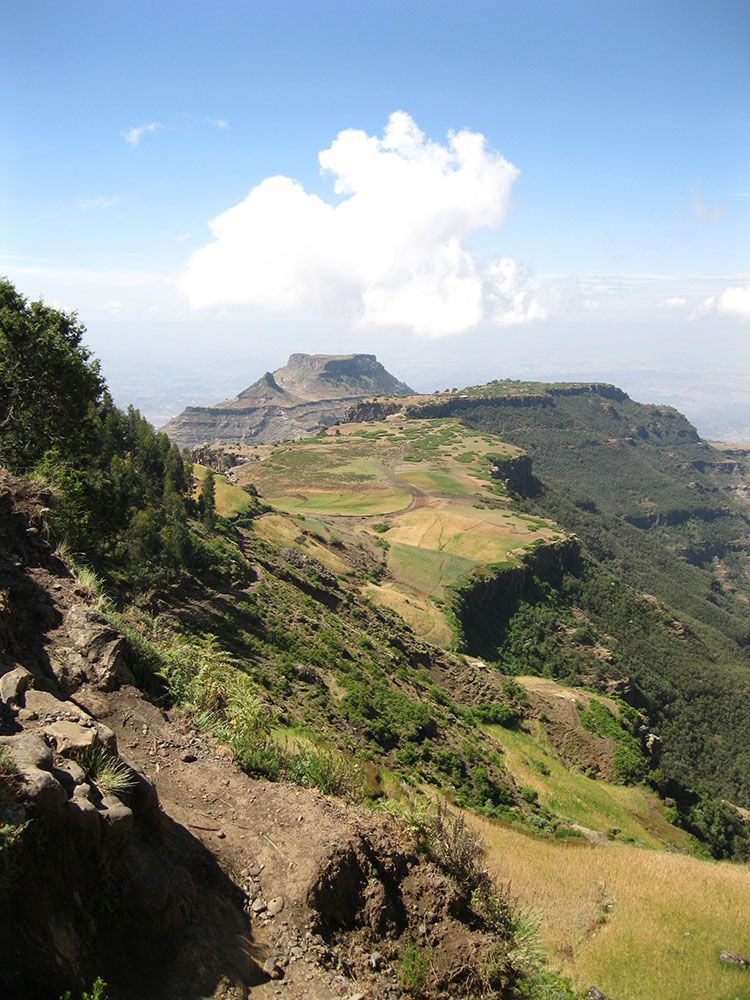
[318, 663]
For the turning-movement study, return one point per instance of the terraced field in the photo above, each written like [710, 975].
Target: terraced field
[414, 496]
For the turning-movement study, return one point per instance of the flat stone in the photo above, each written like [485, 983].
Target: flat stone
[259, 906]
[70, 738]
[46, 705]
[275, 905]
[734, 958]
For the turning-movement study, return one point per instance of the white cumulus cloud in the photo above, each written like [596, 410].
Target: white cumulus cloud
[390, 252]
[676, 302]
[733, 301]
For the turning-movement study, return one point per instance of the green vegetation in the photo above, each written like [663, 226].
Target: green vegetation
[48, 382]
[10, 833]
[414, 963]
[98, 991]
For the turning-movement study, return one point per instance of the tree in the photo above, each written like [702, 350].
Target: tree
[207, 499]
[49, 382]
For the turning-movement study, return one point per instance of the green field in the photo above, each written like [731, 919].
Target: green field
[426, 570]
[419, 502]
[367, 502]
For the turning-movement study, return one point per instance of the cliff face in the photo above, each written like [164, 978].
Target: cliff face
[310, 392]
[484, 604]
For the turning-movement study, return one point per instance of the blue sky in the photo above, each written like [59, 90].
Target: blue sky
[605, 211]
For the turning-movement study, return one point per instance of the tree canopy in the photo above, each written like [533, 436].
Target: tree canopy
[49, 382]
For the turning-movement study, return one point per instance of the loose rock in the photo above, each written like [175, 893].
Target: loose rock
[734, 958]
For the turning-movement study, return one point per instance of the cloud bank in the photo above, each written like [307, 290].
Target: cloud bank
[390, 252]
[733, 301]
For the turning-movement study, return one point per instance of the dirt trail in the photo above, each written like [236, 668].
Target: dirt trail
[269, 839]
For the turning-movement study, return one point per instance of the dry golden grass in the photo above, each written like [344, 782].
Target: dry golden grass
[639, 924]
[421, 615]
[283, 530]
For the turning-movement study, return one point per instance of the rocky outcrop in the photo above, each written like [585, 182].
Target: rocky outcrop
[370, 409]
[310, 392]
[515, 473]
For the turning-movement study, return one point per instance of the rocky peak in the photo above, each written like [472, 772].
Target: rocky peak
[310, 392]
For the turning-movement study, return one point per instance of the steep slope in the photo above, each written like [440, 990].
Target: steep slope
[658, 511]
[133, 847]
[309, 392]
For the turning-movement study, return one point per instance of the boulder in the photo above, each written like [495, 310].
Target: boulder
[27, 751]
[102, 646]
[13, 686]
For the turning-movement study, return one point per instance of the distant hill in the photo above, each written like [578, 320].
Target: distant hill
[310, 392]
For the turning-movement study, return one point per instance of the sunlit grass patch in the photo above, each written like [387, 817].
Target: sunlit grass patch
[230, 498]
[594, 804]
[365, 502]
[427, 620]
[640, 924]
[426, 570]
[289, 532]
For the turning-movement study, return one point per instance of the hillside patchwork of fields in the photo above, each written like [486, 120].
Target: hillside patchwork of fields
[419, 495]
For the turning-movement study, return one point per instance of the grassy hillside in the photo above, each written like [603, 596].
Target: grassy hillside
[415, 496]
[639, 924]
[318, 639]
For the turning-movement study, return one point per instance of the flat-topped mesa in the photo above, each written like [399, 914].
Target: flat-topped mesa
[310, 392]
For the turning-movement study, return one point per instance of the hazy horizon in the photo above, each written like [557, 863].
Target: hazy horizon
[467, 191]
[199, 368]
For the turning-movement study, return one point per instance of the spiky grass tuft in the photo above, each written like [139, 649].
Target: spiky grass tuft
[111, 775]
